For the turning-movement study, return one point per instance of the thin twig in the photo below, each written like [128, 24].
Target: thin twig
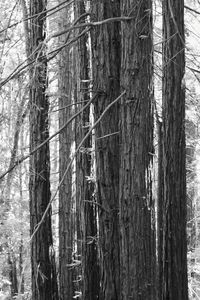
[107, 135]
[69, 105]
[90, 24]
[192, 9]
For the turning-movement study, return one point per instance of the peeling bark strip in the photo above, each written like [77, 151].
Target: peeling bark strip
[44, 284]
[174, 211]
[136, 147]
[106, 78]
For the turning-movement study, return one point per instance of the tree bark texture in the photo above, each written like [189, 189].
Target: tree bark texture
[44, 284]
[106, 82]
[160, 191]
[66, 229]
[138, 262]
[174, 218]
[85, 180]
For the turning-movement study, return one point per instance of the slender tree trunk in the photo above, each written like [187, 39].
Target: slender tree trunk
[13, 274]
[106, 81]
[160, 190]
[65, 87]
[191, 176]
[21, 273]
[21, 114]
[26, 29]
[174, 219]
[138, 262]
[44, 283]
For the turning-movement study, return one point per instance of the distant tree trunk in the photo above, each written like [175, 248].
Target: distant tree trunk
[8, 203]
[138, 262]
[21, 114]
[175, 284]
[191, 176]
[65, 87]
[21, 272]
[26, 29]
[106, 81]
[44, 283]
[85, 182]
[13, 274]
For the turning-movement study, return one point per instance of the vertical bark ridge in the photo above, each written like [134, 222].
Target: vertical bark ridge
[136, 148]
[44, 282]
[106, 80]
[66, 139]
[174, 218]
[85, 180]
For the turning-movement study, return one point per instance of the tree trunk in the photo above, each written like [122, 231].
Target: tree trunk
[106, 81]
[191, 176]
[65, 87]
[174, 219]
[21, 271]
[138, 262]
[44, 284]
[13, 274]
[85, 180]
[160, 191]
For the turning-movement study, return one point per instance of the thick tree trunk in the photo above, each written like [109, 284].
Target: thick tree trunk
[106, 78]
[85, 182]
[138, 262]
[44, 284]
[174, 226]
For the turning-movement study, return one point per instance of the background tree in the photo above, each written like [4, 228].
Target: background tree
[15, 97]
